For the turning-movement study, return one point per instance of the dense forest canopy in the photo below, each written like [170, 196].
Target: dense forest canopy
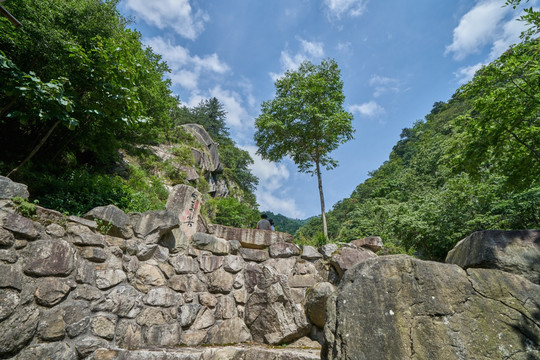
[78, 90]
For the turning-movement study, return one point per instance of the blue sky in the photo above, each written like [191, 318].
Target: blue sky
[397, 58]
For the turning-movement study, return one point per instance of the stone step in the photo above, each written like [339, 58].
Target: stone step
[245, 352]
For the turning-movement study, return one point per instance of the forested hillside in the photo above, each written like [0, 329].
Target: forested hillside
[472, 164]
[81, 102]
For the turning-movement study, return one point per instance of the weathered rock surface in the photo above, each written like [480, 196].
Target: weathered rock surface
[209, 353]
[111, 218]
[49, 258]
[208, 162]
[373, 243]
[185, 202]
[271, 314]
[211, 243]
[397, 307]
[252, 238]
[315, 303]
[347, 257]
[516, 252]
[10, 189]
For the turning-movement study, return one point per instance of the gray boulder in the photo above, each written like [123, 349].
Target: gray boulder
[347, 257]
[112, 219]
[398, 307]
[252, 238]
[516, 252]
[18, 329]
[157, 222]
[315, 302]
[57, 350]
[10, 189]
[185, 202]
[373, 243]
[49, 258]
[271, 314]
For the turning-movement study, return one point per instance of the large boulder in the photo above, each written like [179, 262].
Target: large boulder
[516, 251]
[207, 160]
[49, 258]
[373, 243]
[398, 307]
[271, 314]
[347, 257]
[185, 202]
[315, 302]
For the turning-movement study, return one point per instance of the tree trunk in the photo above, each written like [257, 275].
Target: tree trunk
[36, 149]
[323, 215]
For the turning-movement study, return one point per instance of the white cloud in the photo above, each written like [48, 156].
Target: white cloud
[308, 51]
[313, 49]
[370, 108]
[477, 28]
[175, 14]
[465, 74]
[338, 8]
[509, 35]
[272, 191]
[185, 68]
[384, 85]
[237, 116]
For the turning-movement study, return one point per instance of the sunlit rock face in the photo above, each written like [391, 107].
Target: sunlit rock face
[398, 307]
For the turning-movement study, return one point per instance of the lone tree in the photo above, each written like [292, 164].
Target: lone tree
[306, 120]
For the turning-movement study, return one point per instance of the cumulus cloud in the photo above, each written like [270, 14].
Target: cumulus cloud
[384, 85]
[477, 28]
[174, 14]
[465, 74]
[272, 190]
[369, 109]
[338, 8]
[237, 116]
[186, 68]
[308, 51]
[488, 24]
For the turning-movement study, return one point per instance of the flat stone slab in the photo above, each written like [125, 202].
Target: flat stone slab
[209, 352]
[252, 238]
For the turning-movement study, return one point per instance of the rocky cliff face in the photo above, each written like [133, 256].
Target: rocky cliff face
[398, 307]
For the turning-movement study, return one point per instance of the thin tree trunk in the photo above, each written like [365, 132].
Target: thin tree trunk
[323, 215]
[36, 148]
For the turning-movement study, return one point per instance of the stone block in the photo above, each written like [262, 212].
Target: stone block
[252, 238]
[185, 202]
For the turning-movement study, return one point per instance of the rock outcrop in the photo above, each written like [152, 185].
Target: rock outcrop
[398, 307]
[516, 252]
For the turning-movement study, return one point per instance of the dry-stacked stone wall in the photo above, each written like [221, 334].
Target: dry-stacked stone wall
[70, 285]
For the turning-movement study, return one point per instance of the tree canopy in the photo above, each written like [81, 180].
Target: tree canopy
[306, 120]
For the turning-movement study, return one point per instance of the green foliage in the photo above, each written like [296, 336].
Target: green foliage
[24, 207]
[77, 63]
[305, 120]
[231, 212]
[503, 130]
[423, 199]
[103, 226]
[82, 189]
